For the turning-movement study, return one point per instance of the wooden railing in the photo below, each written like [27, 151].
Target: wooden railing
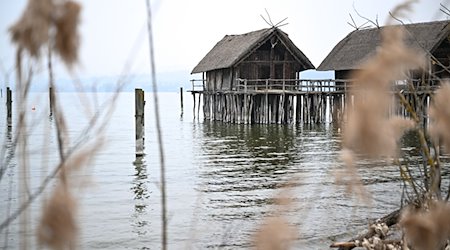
[309, 85]
[290, 85]
[198, 85]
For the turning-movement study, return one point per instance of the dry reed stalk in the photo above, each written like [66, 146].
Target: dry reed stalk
[30, 33]
[164, 233]
[427, 229]
[370, 130]
[57, 228]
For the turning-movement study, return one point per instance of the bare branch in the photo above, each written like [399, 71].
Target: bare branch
[278, 24]
[365, 18]
[364, 26]
[444, 9]
[270, 20]
[354, 24]
[397, 19]
[265, 20]
[281, 25]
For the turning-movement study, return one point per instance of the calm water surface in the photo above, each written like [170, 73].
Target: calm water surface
[222, 180]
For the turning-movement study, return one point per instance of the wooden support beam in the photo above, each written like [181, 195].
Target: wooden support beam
[267, 62]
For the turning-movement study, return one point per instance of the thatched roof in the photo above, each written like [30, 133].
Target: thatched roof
[232, 49]
[351, 51]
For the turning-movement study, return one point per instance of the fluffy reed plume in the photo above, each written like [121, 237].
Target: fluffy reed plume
[350, 178]
[53, 23]
[33, 29]
[440, 114]
[427, 230]
[58, 225]
[369, 129]
[58, 229]
[275, 234]
[67, 39]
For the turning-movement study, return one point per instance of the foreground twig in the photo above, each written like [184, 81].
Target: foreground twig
[158, 128]
[93, 123]
[31, 198]
[434, 166]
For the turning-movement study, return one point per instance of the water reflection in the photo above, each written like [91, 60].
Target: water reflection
[242, 167]
[6, 172]
[141, 196]
[251, 157]
[6, 152]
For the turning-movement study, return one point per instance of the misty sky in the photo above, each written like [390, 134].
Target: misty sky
[185, 30]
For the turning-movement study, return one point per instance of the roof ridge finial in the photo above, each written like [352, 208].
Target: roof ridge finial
[270, 23]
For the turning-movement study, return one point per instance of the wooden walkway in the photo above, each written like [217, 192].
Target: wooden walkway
[285, 101]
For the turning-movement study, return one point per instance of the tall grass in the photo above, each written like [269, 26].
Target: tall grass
[51, 26]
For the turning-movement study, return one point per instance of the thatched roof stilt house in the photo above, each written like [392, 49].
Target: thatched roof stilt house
[350, 52]
[262, 54]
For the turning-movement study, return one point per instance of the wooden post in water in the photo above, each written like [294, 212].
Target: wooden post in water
[8, 106]
[51, 98]
[181, 100]
[139, 118]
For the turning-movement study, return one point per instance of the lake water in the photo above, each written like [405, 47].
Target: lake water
[222, 179]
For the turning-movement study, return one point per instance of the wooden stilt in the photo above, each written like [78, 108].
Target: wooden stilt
[315, 101]
[193, 109]
[198, 107]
